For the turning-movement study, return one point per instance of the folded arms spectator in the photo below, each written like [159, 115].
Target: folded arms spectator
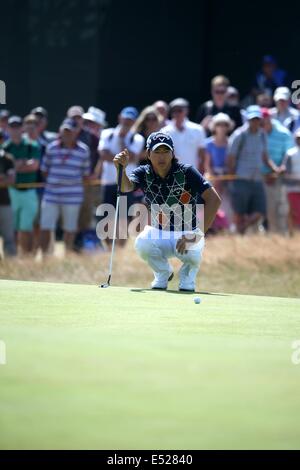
[7, 177]
[24, 201]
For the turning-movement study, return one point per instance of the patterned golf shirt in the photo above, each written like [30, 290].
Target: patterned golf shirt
[180, 190]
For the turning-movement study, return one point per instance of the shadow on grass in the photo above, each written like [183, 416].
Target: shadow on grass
[169, 291]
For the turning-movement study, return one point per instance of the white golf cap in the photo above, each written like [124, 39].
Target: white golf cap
[95, 115]
[221, 118]
[282, 93]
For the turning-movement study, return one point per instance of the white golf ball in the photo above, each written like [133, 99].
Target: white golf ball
[197, 300]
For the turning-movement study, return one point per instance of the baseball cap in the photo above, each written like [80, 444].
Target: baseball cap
[39, 111]
[265, 112]
[15, 121]
[95, 115]
[179, 103]
[130, 112]
[75, 111]
[269, 59]
[221, 118]
[253, 112]
[156, 139]
[31, 118]
[69, 124]
[282, 93]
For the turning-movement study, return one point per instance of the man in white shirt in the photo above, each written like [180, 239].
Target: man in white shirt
[188, 137]
[113, 141]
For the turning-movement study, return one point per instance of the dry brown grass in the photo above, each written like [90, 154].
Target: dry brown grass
[255, 264]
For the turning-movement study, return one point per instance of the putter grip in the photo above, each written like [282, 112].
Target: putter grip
[120, 174]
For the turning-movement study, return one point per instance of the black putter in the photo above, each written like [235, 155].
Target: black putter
[120, 174]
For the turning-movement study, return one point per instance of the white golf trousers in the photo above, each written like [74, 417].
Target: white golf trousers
[156, 246]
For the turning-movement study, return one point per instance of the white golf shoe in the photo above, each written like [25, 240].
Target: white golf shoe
[160, 281]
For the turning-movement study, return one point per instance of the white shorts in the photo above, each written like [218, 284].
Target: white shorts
[50, 213]
[156, 246]
[168, 239]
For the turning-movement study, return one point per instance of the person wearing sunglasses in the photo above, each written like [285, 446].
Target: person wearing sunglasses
[218, 104]
[147, 122]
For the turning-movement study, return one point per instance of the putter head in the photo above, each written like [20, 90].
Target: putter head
[104, 286]
[107, 284]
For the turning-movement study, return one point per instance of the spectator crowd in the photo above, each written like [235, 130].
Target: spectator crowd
[250, 150]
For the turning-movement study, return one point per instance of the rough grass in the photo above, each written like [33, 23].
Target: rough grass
[255, 264]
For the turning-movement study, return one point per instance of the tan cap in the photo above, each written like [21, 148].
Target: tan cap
[30, 118]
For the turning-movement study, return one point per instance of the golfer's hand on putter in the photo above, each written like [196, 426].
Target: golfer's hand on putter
[121, 158]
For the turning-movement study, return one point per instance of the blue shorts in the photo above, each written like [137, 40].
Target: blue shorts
[248, 197]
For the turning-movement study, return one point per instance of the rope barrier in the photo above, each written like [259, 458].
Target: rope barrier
[98, 182]
[44, 184]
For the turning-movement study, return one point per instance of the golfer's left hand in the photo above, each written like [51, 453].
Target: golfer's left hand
[121, 158]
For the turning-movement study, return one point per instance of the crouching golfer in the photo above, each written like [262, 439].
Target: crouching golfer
[172, 191]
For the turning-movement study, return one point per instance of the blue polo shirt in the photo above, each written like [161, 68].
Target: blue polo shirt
[180, 190]
[279, 141]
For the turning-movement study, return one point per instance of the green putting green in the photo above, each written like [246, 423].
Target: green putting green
[122, 368]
